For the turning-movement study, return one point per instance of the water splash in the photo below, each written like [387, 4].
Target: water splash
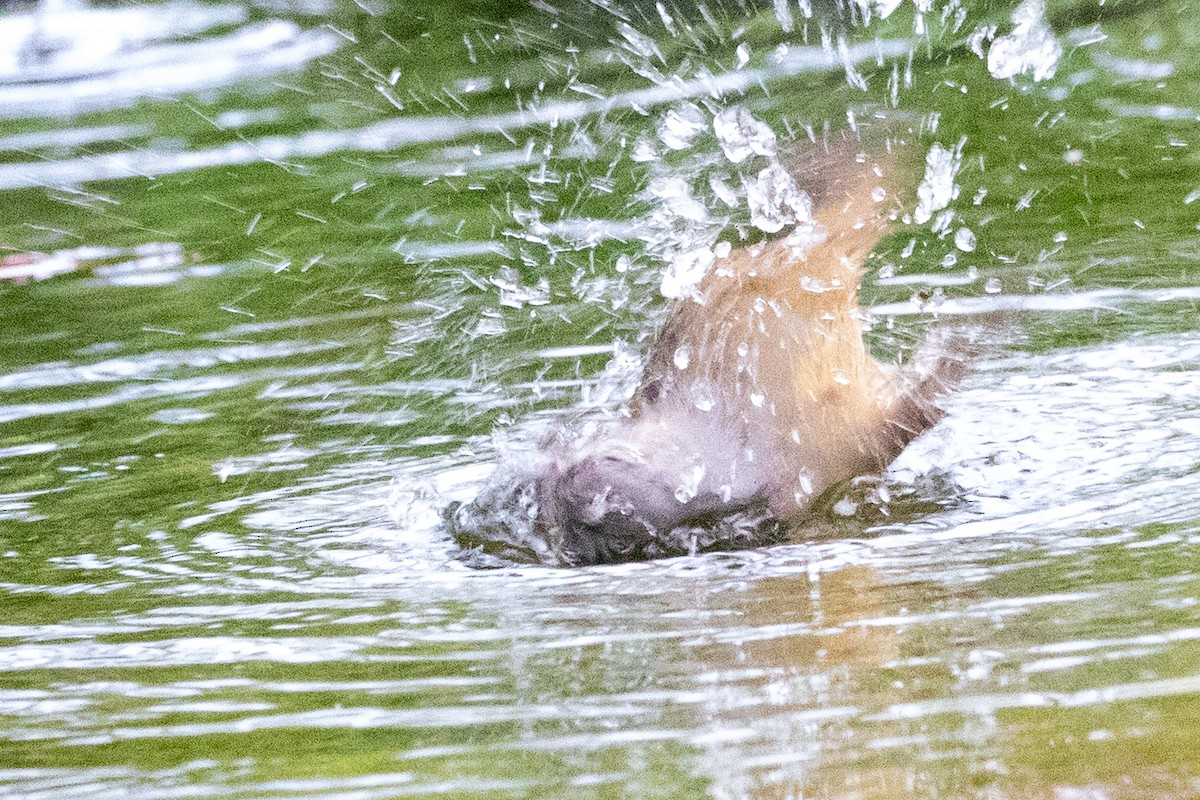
[775, 200]
[1030, 47]
[741, 135]
[938, 188]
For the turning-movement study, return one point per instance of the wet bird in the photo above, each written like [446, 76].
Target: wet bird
[758, 394]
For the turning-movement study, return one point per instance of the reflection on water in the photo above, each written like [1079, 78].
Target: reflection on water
[99, 59]
[280, 281]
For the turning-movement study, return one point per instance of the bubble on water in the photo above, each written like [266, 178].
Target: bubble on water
[992, 286]
[775, 200]
[683, 356]
[938, 188]
[1030, 47]
[681, 124]
[964, 239]
[685, 271]
[689, 483]
[741, 135]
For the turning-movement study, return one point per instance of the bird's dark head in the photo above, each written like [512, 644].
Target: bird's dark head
[627, 501]
[603, 508]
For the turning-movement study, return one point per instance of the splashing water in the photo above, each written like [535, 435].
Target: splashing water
[741, 135]
[937, 188]
[775, 200]
[1031, 46]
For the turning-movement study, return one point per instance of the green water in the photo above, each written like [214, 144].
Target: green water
[223, 456]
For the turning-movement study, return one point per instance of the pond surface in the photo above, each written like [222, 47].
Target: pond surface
[282, 280]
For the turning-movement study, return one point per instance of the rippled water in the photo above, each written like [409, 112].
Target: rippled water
[280, 281]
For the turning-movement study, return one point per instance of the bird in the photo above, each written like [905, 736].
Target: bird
[757, 396]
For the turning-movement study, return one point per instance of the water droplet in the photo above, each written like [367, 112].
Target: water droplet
[743, 55]
[845, 507]
[721, 189]
[1030, 47]
[689, 483]
[680, 125]
[805, 481]
[775, 200]
[702, 396]
[685, 271]
[683, 355]
[644, 150]
[937, 188]
[811, 284]
[964, 239]
[741, 135]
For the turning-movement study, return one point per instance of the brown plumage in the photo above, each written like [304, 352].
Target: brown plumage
[758, 394]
